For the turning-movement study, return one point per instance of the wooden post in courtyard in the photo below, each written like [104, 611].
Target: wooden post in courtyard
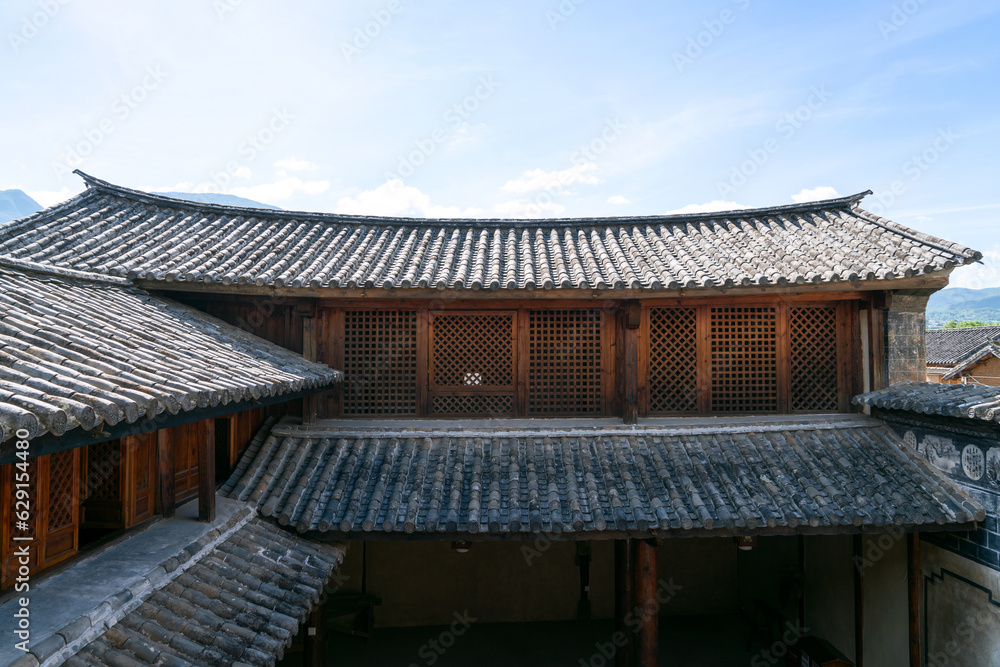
[913, 585]
[624, 603]
[859, 601]
[206, 472]
[312, 642]
[646, 605]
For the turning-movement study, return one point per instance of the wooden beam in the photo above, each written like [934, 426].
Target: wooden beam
[313, 653]
[623, 603]
[165, 472]
[646, 605]
[913, 586]
[927, 281]
[859, 601]
[206, 472]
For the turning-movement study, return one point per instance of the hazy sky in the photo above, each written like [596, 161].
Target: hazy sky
[548, 108]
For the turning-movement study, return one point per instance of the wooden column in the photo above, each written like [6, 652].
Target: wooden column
[165, 472]
[913, 584]
[630, 404]
[310, 344]
[859, 601]
[647, 645]
[312, 649]
[623, 603]
[206, 472]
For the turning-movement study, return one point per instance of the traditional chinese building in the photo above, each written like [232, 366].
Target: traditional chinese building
[967, 355]
[957, 429]
[644, 419]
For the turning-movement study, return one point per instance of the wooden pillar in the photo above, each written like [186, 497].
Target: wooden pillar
[913, 584]
[859, 601]
[623, 603]
[630, 405]
[206, 472]
[647, 645]
[313, 649]
[310, 346]
[165, 472]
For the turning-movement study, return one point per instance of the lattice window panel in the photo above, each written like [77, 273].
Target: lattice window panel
[474, 404]
[380, 362]
[61, 501]
[744, 359]
[673, 360]
[104, 471]
[473, 350]
[564, 364]
[813, 338]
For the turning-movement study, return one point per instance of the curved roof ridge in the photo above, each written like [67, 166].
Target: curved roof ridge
[27, 266]
[940, 243]
[317, 216]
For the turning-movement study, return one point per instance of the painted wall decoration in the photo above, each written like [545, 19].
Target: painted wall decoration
[967, 459]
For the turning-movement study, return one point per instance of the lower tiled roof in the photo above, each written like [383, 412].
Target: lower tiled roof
[934, 398]
[849, 474]
[951, 346]
[235, 597]
[85, 352]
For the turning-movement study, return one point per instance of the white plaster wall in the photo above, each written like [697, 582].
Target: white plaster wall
[962, 619]
[829, 590]
[887, 637]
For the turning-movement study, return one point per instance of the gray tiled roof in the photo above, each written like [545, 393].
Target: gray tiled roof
[235, 597]
[82, 352]
[849, 474]
[946, 347]
[934, 398]
[120, 232]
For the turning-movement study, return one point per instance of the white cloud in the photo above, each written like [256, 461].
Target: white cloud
[618, 200]
[394, 198]
[49, 198]
[282, 189]
[708, 207]
[523, 208]
[293, 164]
[538, 179]
[815, 194]
[978, 276]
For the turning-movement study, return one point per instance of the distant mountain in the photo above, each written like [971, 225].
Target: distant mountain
[16, 204]
[961, 304]
[211, 198]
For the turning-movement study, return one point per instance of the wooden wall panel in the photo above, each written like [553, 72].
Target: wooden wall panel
[53, 486]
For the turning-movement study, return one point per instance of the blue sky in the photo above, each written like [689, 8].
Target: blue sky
[516, 109]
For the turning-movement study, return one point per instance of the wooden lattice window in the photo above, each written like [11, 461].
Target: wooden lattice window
[813, 334]
[673, 360]
[473, 350]
[472, 363]
[62, 505]
[564, 362]
[380, 362]
[744, 355]
[485, 405]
